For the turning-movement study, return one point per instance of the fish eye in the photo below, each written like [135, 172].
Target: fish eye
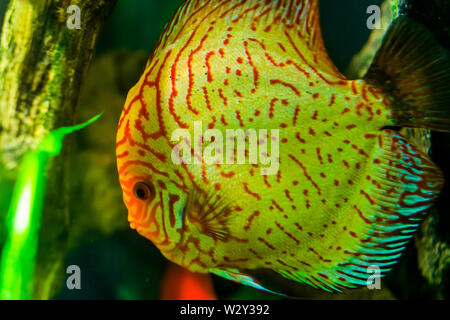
[143, 191]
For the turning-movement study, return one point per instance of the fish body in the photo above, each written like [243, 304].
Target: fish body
[347, 193]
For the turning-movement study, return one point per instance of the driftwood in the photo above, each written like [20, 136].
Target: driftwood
[42, 66]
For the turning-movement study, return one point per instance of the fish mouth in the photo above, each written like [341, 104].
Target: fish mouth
[144, 220]
[150, 223]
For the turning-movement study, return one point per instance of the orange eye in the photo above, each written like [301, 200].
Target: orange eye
[143, 191]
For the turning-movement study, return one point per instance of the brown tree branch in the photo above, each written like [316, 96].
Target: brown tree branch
[42, 66]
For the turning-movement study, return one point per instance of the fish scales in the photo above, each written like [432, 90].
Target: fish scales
[335, 205]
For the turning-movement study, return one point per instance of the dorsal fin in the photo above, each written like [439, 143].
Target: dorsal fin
[299, 18]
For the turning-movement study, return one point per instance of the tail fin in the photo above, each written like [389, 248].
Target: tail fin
[413, 70]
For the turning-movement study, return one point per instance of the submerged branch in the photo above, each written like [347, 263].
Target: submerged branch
[42, 66]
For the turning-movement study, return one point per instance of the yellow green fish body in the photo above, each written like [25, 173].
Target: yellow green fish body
[346, 192]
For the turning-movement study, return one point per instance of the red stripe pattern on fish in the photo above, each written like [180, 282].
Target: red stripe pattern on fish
[348, 193]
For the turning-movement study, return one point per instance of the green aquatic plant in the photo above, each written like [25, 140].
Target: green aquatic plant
[24, 216]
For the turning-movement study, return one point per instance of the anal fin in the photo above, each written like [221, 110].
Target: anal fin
[396, 194]
[398, 191]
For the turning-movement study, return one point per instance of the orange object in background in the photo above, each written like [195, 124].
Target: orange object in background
[181, 284]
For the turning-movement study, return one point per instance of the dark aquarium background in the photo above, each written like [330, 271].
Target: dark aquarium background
[116, 262]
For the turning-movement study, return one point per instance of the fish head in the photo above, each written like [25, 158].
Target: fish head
[152, 191]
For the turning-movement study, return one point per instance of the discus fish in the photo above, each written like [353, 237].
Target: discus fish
[349, 191]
